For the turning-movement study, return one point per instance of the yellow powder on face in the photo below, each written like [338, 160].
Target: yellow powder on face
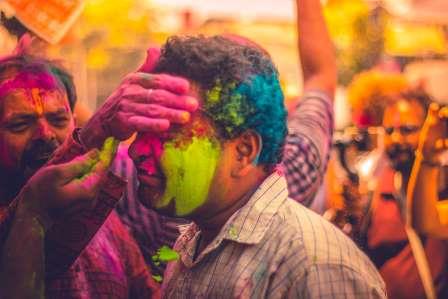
[189, 170]
[403, 106]
[37, 100]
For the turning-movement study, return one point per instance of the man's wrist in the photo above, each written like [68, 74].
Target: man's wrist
[425, 160]
[91, 136]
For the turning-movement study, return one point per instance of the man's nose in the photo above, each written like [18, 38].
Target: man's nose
[44, 130]
[139, 149]
[396, 136]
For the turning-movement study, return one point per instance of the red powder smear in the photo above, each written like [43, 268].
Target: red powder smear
[150, 146]
[201, 130]
[28, 80]
[152, 56]
[362, 119]
[197, 128]
[280, 170]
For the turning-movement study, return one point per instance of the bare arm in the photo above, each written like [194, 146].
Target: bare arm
[315, 48]
[423, 200]
[424, 212]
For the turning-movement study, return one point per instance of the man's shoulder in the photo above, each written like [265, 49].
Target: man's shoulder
[316, 240]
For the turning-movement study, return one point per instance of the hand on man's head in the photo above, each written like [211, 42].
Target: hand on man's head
[143, 102]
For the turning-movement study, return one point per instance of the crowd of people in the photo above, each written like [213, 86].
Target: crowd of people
[211, 198]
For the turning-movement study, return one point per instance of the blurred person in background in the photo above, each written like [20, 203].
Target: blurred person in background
[401, 113]
[348, 180]
[36, 101]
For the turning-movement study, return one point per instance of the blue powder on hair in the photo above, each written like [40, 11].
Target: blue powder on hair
[256, 103]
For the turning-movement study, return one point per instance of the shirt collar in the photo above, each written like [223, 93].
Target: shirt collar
[250, 223]
[247, 226]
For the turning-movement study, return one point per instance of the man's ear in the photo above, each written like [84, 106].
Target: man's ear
[247, 149]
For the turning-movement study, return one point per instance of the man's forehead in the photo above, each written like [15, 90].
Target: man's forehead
[200, 125]
[404, 111]
[29, 80]
[33, 100]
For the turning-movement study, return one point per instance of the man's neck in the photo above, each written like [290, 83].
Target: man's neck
[211, 225]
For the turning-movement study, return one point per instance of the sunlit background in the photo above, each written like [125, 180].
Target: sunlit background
[109, 38]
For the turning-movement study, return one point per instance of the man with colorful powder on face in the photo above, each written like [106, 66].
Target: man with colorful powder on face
[248, 238]
[307, 144]
[36, 102]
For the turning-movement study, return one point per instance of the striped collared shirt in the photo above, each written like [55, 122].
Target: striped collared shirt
[273, 247]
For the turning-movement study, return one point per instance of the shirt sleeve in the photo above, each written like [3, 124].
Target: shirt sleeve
[308, 145]
[6, 218]
[337, 281]
[141, 283]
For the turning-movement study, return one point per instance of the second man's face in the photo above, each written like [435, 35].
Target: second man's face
[33, 123]
[402, 122]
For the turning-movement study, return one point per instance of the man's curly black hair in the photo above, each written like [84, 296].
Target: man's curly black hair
[239, 85]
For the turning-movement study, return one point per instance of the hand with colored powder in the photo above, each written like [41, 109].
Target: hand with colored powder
[142, 103]
[53, 192]
[57, 191]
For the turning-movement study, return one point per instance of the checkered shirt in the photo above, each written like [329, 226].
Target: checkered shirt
[308, 146]
[272, 247]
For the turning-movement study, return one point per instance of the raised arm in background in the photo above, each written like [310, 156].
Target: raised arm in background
[316, 50]
[311, 123]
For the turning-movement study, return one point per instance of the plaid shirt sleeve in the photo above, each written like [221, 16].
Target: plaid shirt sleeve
[308, 146]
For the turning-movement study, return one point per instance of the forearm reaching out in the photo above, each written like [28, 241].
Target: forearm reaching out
[54, 191]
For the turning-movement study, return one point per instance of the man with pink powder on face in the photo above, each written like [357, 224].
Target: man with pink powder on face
[248, 239]
[36, 101]
[307, 145]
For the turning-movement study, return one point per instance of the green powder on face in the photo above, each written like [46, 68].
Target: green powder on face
[189, 170]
